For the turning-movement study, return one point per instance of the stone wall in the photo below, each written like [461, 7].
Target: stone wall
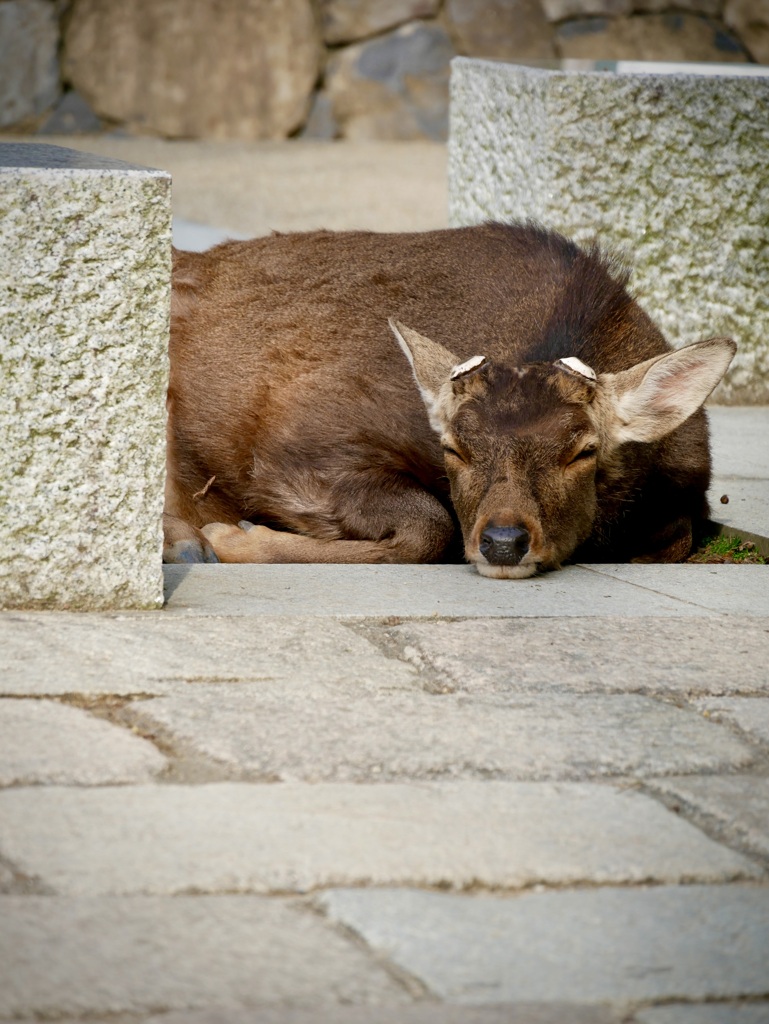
[270, 69]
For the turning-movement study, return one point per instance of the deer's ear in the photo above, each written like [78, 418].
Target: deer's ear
[654, 397]
[432, 365]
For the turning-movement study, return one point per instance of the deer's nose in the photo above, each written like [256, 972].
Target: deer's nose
[504, 545]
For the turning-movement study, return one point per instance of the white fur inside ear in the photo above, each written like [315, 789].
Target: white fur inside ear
[473, 363]
[577, 366]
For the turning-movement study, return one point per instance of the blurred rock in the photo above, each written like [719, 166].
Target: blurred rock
[560, 10]
[71, 116]
[658, 37]
[320, 123]
[394, 87]
[224, 70]
[29, 68]
[345, 21]
[500, 28]
[713, 8]
[750, 19]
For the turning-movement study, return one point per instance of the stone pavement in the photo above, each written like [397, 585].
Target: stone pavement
[397, 795]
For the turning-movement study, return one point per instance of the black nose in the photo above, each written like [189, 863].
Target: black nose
[504, 545]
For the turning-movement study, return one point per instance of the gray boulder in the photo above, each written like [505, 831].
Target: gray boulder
[500, 28]
[347, 21]
[29, 68]
[224, 70]
[394, 87]
[658, 37]
[750, 19]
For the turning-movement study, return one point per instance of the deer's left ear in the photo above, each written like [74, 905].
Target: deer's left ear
[656, 396]
[432, 365]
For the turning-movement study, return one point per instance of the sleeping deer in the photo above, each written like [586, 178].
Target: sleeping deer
[492, 391]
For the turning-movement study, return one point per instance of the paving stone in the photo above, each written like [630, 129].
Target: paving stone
[747, 511]
[731, 589]
[705, 1013]
[738, 443]
[736, 804]
[613, 945]
[738, 440]
[418, 590]
[646, 655]
[46, 742]
[66, 653]
[233, 837]
[6, 878]
[751, 714]
[421, 1013]
[270, 732]
[104, 956]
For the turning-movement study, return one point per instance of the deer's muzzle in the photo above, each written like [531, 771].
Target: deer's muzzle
[504, 545]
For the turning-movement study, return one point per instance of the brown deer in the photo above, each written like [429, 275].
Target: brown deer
[543, 417]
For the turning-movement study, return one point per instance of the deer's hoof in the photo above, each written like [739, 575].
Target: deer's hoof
[186, 552]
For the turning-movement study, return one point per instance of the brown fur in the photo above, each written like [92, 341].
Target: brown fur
[288, 388]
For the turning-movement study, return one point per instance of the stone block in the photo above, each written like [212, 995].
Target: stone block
[667, 656]
[592, 946]
[440, 591]
[60, 653]
[427, 1011]
[84, 292]
[103, 957]
[702, 1013]
[29, 66]
[225, 837]
[736, 806]
[669, 168]
[750, 714]
[394, 86]
[719, 587]
[351, 734]
[46, 742]
[224, 70]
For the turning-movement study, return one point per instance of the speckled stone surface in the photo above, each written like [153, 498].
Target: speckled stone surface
[672, 169]
[85, 246]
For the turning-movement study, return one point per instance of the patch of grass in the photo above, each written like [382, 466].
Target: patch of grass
[724, 548]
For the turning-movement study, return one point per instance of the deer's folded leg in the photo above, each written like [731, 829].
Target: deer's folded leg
[261, 544]
[411, 526]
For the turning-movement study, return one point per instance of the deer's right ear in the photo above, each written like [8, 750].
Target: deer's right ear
[654, 397]
[432, 365]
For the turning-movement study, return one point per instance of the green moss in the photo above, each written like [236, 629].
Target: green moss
[725, 548]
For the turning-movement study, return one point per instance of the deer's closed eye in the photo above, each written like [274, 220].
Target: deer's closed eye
[453, 453]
